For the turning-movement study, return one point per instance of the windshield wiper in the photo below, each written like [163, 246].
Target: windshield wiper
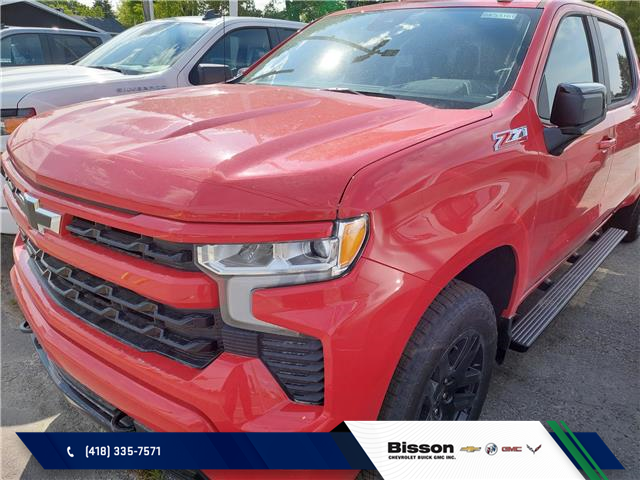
[272, 72]
[107, 67]
[359, 92]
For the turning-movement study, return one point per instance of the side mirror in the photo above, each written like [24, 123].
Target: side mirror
[209, 73]
[576, 108]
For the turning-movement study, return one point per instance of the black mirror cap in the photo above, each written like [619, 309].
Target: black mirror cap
[578, 106]
[209, 73]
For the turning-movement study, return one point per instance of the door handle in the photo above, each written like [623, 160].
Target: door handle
[607, 143]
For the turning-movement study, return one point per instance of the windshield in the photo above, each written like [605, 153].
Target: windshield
[444, 57]
[147, 48]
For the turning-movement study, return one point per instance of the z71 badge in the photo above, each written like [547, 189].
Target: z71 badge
[509, 136]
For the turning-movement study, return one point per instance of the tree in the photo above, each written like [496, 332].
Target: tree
[307, 11]
[70, 7]
[629, 11]
[304, 11]
[247, 8]
[360, 3]
[103, 8]
[129, 12]
[272, 10]
[171, 8]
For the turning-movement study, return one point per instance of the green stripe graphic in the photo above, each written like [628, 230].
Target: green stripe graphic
[573, 451]
[584, 450]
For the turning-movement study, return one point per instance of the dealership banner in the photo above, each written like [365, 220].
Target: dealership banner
[398, 450]
[481, 450]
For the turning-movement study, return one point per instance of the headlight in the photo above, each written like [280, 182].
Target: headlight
[241, 268]
[11, 118]
[328, 257]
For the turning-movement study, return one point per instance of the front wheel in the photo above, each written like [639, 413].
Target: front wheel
[445, 369]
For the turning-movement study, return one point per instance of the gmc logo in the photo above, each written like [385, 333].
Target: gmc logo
[511, 449]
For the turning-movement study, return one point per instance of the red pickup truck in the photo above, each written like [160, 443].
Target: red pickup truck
[349, 230]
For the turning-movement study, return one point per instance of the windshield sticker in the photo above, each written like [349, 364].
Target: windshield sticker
[499, 15]
[140, 88]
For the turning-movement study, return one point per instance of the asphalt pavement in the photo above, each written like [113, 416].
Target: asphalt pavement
[583, 370]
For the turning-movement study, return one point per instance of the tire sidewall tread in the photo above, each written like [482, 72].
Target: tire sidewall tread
[459, 308]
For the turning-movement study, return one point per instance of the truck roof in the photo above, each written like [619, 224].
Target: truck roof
[215, 21]
[447, 3]
[542, 4]
[16, 29]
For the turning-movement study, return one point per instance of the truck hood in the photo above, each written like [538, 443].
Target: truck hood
[228, 153]
[16, 82]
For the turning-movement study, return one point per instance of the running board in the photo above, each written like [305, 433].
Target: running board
[530, 327]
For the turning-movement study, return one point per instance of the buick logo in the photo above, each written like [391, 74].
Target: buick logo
[38, 217]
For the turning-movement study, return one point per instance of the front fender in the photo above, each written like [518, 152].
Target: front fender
[439, 206]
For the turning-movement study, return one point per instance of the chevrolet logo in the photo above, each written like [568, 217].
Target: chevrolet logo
[38, 217]
[469, 449]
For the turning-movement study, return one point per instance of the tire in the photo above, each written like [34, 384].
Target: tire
[426, 384]
[628, 218]
[460, 314]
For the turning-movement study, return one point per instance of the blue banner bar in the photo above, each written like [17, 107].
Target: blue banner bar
[592, 443]
[199, 451]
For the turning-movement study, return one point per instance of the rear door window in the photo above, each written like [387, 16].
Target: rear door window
[68, 48]
[285, 33]
[21, 49]
[617, 61]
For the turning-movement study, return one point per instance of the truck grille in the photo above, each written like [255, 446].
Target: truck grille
[189, 336]
[296, 362]
[192, 337]
[177, 255]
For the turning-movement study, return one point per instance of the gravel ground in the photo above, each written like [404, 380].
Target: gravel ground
[583, 370]
[30, 402]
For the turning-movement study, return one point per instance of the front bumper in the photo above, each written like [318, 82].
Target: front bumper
[363, 321]
[105, 414]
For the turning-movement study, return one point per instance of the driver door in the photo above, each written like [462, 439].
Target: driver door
[572, 184]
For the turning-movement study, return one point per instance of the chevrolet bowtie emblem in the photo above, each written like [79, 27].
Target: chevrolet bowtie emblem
[38, 217]
[469, 449]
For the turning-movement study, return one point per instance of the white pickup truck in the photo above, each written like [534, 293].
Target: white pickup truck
[167, 53]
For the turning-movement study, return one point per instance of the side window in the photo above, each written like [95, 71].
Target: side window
[285, 33]
[570, 61]
[68, 48]
[617, 58]
[93, 41]
[21, 49]
[239, 49]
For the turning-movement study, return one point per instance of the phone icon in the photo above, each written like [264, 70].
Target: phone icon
[69, 452]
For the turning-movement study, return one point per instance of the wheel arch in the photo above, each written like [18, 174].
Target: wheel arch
[495, 263]
[494, 273]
